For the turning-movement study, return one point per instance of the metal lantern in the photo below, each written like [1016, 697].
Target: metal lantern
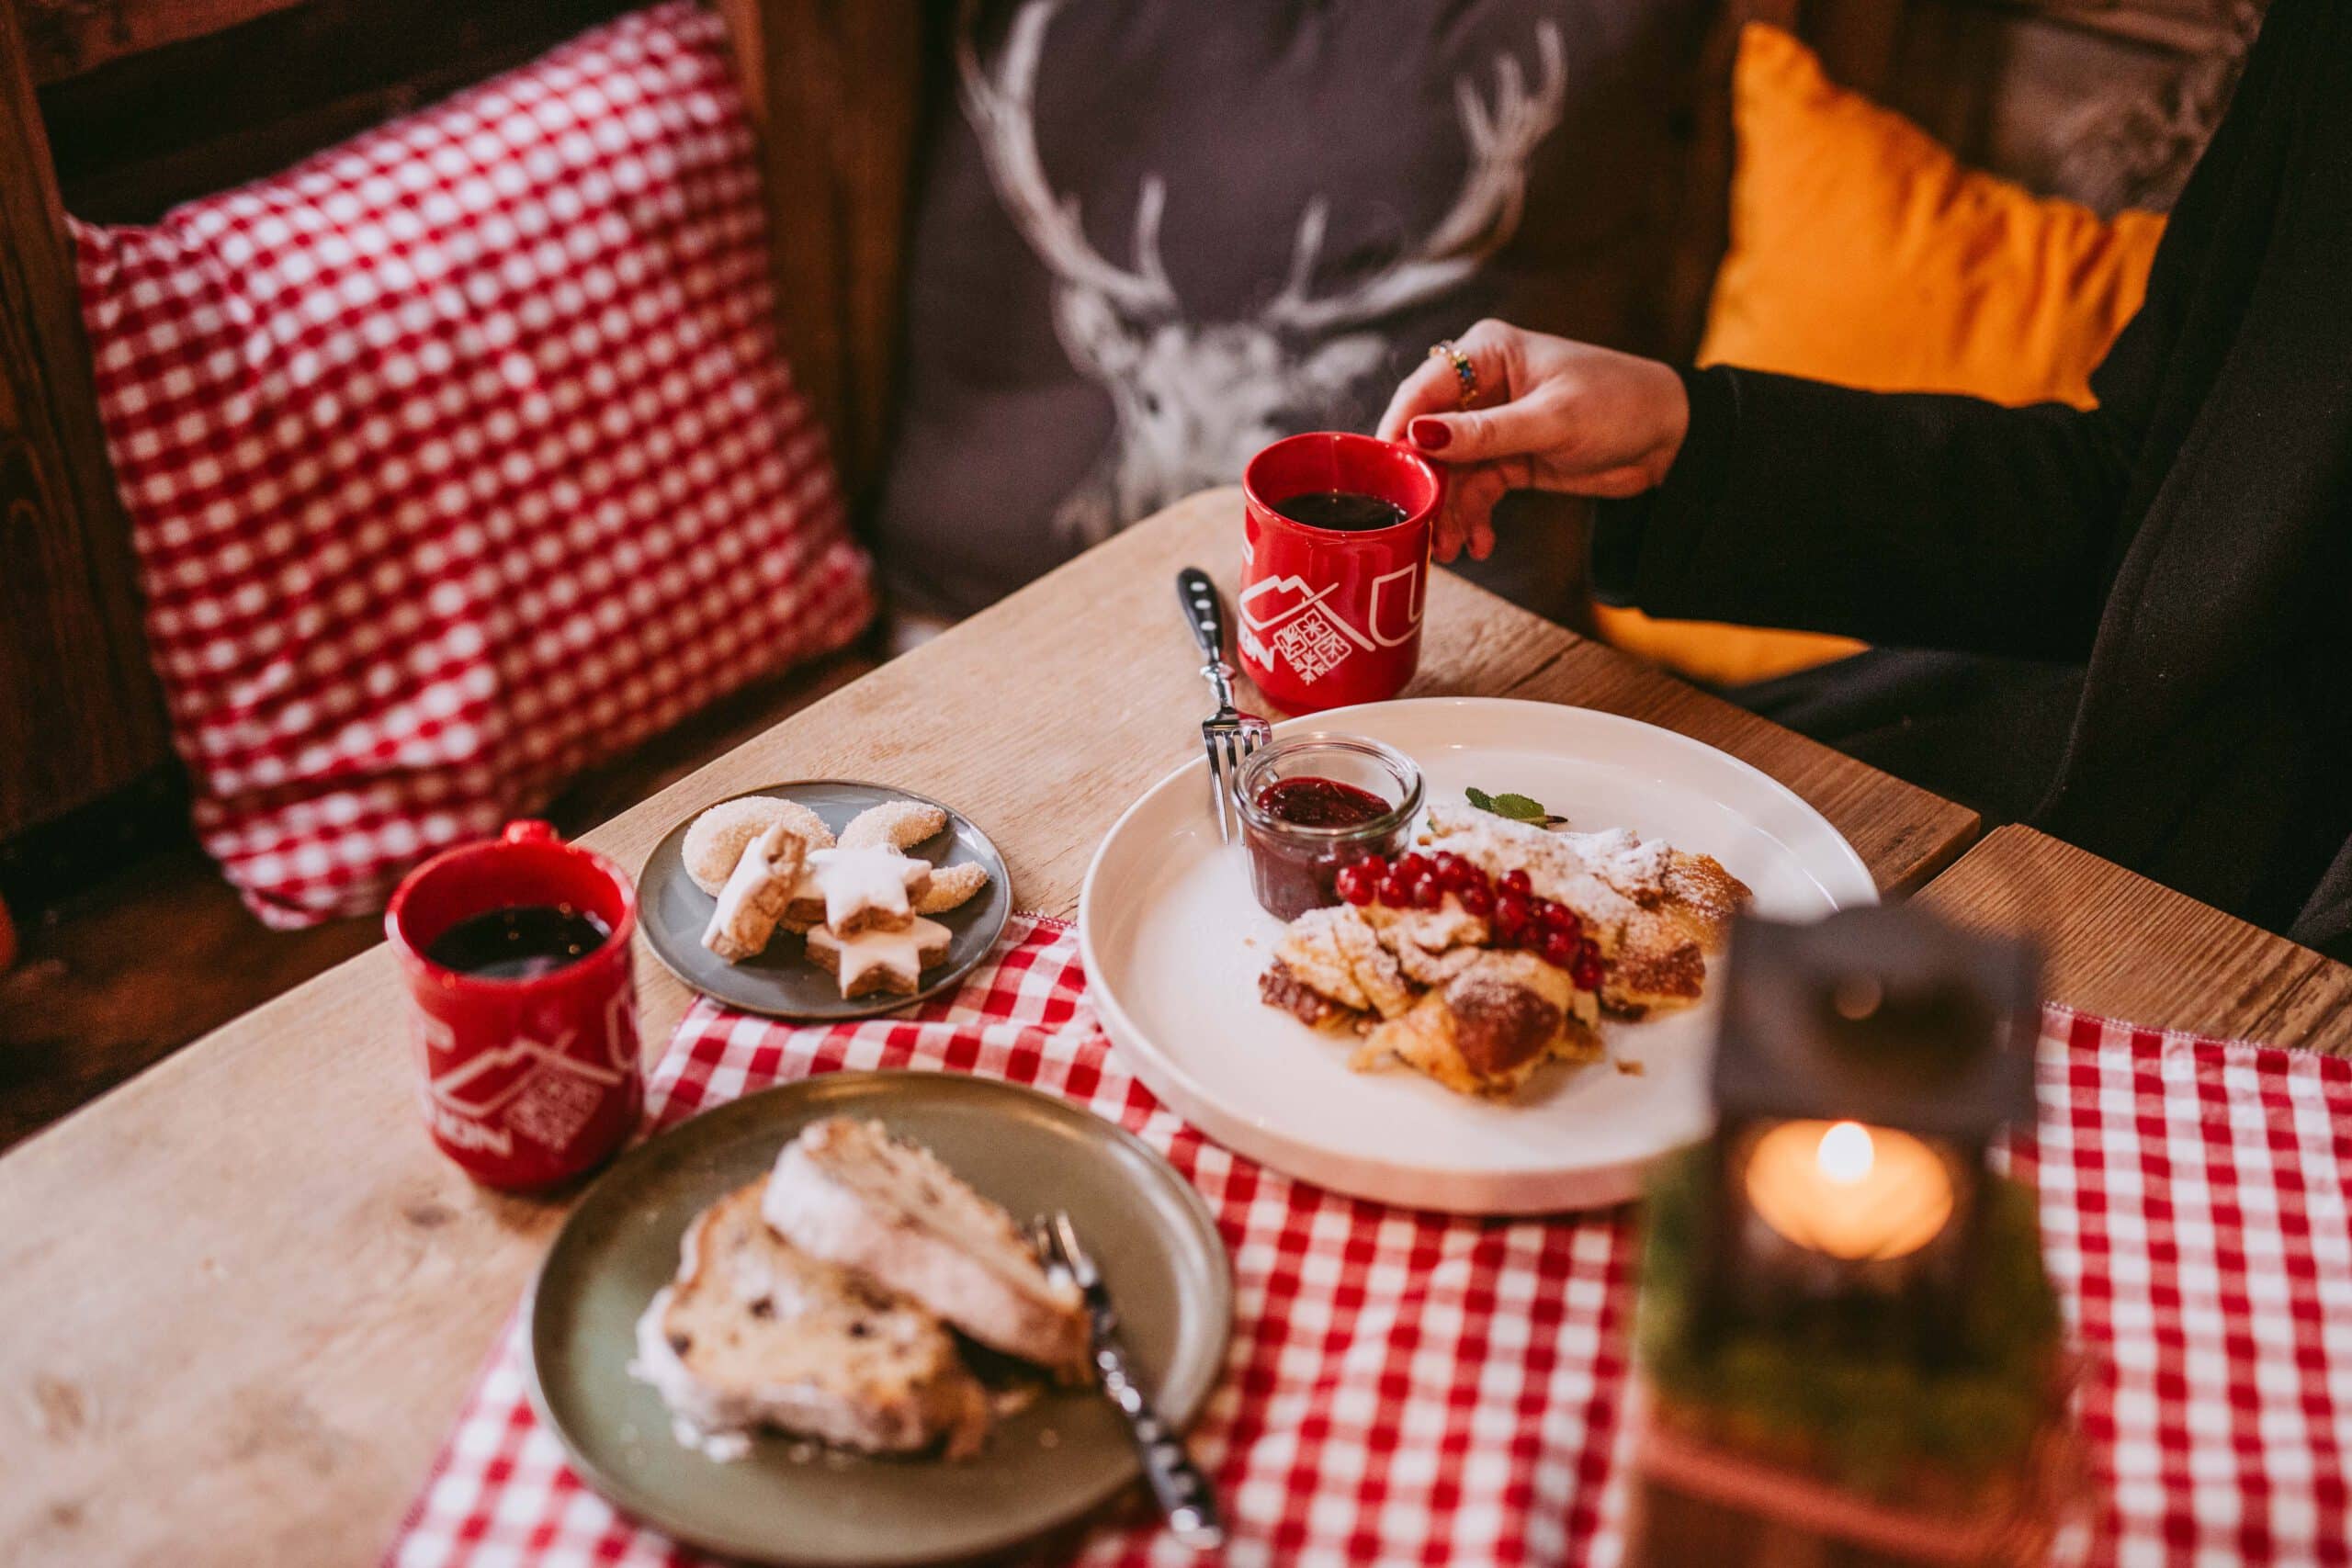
[1846, 1338]
[1863, 1066]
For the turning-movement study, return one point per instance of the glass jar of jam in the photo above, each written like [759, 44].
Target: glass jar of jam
[1310, 803]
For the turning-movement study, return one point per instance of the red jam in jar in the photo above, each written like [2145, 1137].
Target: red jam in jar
[1311, 804]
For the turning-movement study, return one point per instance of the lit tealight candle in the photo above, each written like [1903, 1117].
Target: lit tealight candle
[1850, 1191]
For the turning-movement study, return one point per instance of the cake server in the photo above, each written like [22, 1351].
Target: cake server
[1183, 1493]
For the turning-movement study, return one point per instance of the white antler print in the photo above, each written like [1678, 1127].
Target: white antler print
[1484, 213]
[1001, 109]
[1192, 399]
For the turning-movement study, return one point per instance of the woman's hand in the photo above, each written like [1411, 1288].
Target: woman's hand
[1551, 415]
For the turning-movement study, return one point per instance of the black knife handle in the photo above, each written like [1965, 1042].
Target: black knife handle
[1183, 1493]
[1203, 612]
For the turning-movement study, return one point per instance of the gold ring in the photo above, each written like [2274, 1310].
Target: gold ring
[1466, 375]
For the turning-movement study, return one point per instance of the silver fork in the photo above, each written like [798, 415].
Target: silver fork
[1228, 734]
[1182, 1492]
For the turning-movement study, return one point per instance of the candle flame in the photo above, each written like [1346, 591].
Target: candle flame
[1846, 1154]
[1851, 1191]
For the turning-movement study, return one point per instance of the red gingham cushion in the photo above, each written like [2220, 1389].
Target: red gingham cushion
[462, 455]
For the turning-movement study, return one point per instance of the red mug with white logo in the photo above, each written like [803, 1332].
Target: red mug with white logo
[523, 1005]
[1331, 617]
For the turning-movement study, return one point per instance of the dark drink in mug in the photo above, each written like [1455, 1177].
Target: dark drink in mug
[1346, 510]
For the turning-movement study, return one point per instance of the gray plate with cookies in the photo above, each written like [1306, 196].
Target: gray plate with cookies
[823, 899]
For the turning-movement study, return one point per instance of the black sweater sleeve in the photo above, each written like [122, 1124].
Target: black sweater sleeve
[1917, 520]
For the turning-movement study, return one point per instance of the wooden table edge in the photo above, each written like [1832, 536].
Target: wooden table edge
[2193, 967]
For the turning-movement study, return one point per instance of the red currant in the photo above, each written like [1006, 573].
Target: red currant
[1477, 899]
[1559, 950]
[1357, 885]
[1427, 894]
[1397, 890]
[1512, 916]
[1373, 866]
[1560, 918]
[1516, 881]
[1409, 866]
[1587, 969]
[1454, 873]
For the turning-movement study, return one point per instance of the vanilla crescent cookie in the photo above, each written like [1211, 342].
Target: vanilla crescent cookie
[952, 886]
[893, 824]
[716, 842]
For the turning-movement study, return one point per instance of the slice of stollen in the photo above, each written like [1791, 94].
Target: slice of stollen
[754, 1333]
[849, 1191]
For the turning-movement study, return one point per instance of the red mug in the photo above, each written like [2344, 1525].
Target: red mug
[1329, 618]
[527, 1081]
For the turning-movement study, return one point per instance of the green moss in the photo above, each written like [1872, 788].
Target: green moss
[1829, 1390]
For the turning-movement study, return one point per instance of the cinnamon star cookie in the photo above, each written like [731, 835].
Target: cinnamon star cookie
[872, 961]
[874, 887]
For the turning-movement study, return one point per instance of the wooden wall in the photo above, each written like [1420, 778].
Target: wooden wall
[79, 715]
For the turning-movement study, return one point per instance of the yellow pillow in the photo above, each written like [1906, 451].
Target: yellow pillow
[1863, 253]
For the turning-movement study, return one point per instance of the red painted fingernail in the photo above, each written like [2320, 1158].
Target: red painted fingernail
[1430, 434]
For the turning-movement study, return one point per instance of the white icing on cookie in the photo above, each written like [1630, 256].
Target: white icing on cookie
[755, 895]
[863, 887]
[898, 955]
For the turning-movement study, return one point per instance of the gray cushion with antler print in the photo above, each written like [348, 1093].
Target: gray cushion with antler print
[1153, 236]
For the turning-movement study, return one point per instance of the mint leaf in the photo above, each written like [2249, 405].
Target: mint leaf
[1513, 807]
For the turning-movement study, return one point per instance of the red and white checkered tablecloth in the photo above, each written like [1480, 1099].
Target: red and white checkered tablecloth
[1409, 1388]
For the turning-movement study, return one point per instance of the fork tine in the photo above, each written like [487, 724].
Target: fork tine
[1217, 797]
[1232, 779]
[1232, 739]
[1216, 779]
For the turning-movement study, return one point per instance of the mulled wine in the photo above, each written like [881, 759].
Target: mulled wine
[520, 943]
[1342, 511]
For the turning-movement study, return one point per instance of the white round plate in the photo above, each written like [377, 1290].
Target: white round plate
[1174, 942]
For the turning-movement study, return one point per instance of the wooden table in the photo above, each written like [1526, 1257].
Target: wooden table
[2119, 944]
[244, 1297]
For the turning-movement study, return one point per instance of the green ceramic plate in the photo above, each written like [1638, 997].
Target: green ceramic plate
[1151, 1232]
[781, 982]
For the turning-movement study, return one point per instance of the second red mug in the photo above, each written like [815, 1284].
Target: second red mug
[528, 1079]
[1331, 618]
